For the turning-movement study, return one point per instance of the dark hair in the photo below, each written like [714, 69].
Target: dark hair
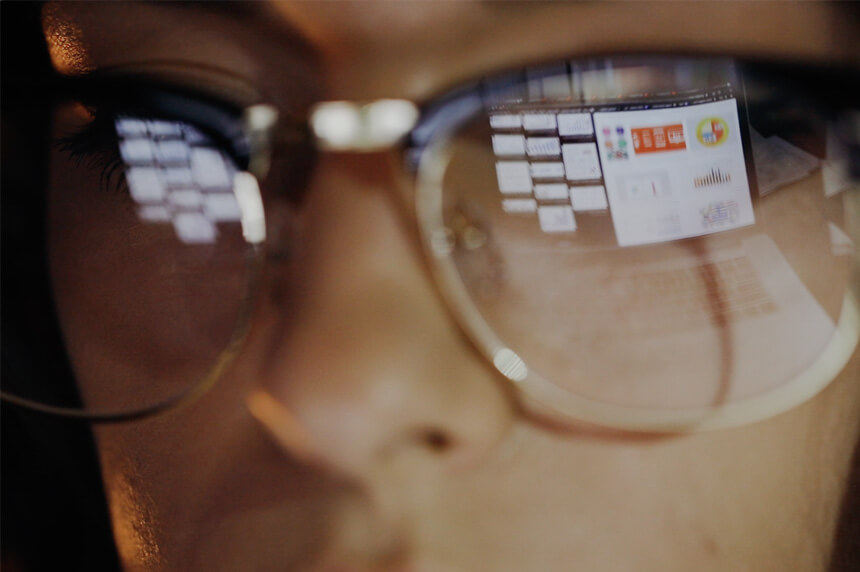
[54, 513]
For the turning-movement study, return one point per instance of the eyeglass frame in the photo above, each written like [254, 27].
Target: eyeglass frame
[418, 134]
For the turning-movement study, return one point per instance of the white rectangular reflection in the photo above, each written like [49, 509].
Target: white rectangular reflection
[209, 169]
[575, 124]
[547, 170]
[222, 207]
[588, 198]
[145, 184]
[514, 177]
[519, 205]
[136, 151]
[543, 146]
[130, 127]
[506, 121]
[185, 198]
[172, 152]
[539, 122]
[551, 191]
[194, 228]
[581, 162]
[556, 218]
[509, 145]
[178, 176]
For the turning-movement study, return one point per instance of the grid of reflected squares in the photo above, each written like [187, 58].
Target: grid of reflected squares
[547, 163]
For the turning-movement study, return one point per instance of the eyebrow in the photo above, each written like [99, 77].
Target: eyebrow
[258, 14]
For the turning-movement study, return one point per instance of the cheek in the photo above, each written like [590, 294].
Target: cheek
[205, 487]
[766, 494]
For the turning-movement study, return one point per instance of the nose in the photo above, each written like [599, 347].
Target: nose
[365, 368]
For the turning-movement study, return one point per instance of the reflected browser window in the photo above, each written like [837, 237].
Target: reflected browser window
[668, 167]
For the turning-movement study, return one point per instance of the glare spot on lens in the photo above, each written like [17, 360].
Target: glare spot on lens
[442, 241]
[473, 238]
[336, 123]
[344, 126]
[510, 365]
[389, 119]
[261, 117]
[247, 193]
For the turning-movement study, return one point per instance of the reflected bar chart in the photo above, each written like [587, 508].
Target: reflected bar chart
[713, 178]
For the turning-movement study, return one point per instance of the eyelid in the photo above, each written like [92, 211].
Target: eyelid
[206, 82]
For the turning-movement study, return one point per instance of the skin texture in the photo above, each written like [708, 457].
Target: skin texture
[413, 454]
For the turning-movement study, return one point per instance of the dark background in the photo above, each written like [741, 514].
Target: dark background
[53, 514]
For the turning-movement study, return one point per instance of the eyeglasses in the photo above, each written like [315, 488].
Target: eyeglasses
[641, 242]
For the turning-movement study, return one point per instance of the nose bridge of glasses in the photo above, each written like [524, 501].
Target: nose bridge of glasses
[362, 127]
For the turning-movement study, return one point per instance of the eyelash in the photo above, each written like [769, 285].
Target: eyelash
[96, 146]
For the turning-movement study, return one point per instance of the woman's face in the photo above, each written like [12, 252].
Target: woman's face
[414, 454]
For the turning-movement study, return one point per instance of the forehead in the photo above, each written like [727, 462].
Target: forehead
[412, 49]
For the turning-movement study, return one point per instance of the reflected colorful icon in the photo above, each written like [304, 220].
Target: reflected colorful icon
[712, 131]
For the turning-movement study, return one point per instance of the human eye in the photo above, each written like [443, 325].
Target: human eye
[653, 242]
[154, 229]
[116, 126]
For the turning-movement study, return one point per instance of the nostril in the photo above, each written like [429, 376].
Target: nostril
[437, 441]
